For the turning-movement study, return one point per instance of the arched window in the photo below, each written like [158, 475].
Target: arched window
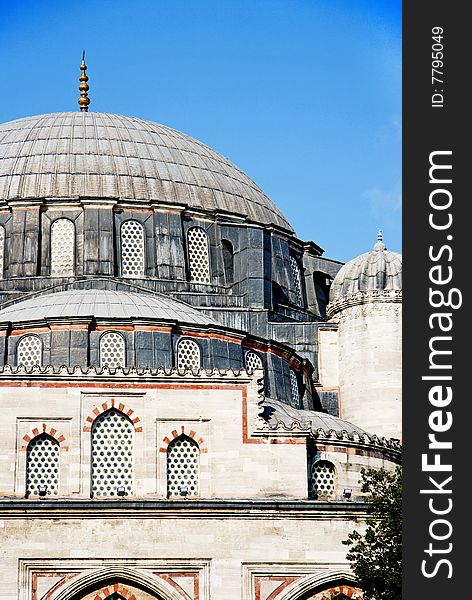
[2, 250]
[29, 351]
[253, 361]
[183, 466]
[198, 257]
[42, 466]
[322, 282]
[296, 280]
[295, 389]
[188, 354]
[112, 455]
[228, 261]
[322, 479]
[112, 350]
[62, 248]
[132, 249]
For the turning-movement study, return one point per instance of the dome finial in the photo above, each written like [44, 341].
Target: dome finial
[379, 245]
[84, 100]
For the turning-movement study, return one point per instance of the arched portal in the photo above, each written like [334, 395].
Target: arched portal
[117, 583]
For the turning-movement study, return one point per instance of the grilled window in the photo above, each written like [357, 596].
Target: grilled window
[198, 258]
[62, 248]
[322, 479]
[29, 351]
[253, 361]
[112, 350]
[132, 249]
[188, 354]
[112, 455]
[297, 281]
[294, 388]
[42, 466]
[183, 465]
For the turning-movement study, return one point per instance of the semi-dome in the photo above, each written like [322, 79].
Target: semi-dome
[103, 304]
[100, 155]
[379, 269]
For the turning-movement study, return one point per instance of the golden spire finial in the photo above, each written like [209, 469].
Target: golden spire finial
[83, 101]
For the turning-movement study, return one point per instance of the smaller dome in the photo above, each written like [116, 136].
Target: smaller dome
[103, 304]
[378, 269]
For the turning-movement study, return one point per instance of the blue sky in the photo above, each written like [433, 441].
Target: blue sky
[303, 95]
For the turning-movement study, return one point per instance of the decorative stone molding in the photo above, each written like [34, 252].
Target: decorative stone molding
[108, 405]
[48, 430]
[368, 297]
[190, 432]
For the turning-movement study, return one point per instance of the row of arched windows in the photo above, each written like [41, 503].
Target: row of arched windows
[112, 461]
[133, 254]
[113, 352]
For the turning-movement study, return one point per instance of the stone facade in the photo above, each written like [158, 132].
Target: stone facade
[177, 384]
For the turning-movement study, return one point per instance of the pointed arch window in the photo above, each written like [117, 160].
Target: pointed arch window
[62, 248]
[188, 354]
[323, 479]
[29, 351]
[112, 455]
[183, 467]
[42, 466]
[198, 255]
[132, 249]
[296, 280]
[112, 350]
[2, 251]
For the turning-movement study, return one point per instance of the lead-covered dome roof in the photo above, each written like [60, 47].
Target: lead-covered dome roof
[379, 269]
[101, 155]
[103, 304]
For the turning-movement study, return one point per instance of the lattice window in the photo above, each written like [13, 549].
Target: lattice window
[2, 250]
[198, 258]
[253, 361]
[112, 455]
[322, 479]
[188, 354]
[112, 350]
[297, 281]
[62, 248]
[294, 388]
[183, 465]
[42, 466]
[29, 351]
[132, 249]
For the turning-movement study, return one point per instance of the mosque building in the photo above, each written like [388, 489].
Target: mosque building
[188, 391]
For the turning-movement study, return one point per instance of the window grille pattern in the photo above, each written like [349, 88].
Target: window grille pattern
[112, 454]
[29, 351]
[62, 248]
[112, 350]
[132, 249]
[2, 250]
[188, 354]
[297, 282]
[199, 262]
[294, 388]
[42, 466]
[253, 361]
[322, 479]
[183, 465]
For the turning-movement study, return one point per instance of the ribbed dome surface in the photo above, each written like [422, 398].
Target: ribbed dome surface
[103, 304]
[378, 269]
[100, 155]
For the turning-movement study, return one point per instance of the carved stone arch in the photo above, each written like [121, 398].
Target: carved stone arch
[327, 585]
[103, 582]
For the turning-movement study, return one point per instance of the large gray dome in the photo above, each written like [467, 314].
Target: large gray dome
[378, 269]
[100, 155]
[103, 304]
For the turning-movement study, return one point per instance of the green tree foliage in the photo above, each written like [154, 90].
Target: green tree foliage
[376, 556]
